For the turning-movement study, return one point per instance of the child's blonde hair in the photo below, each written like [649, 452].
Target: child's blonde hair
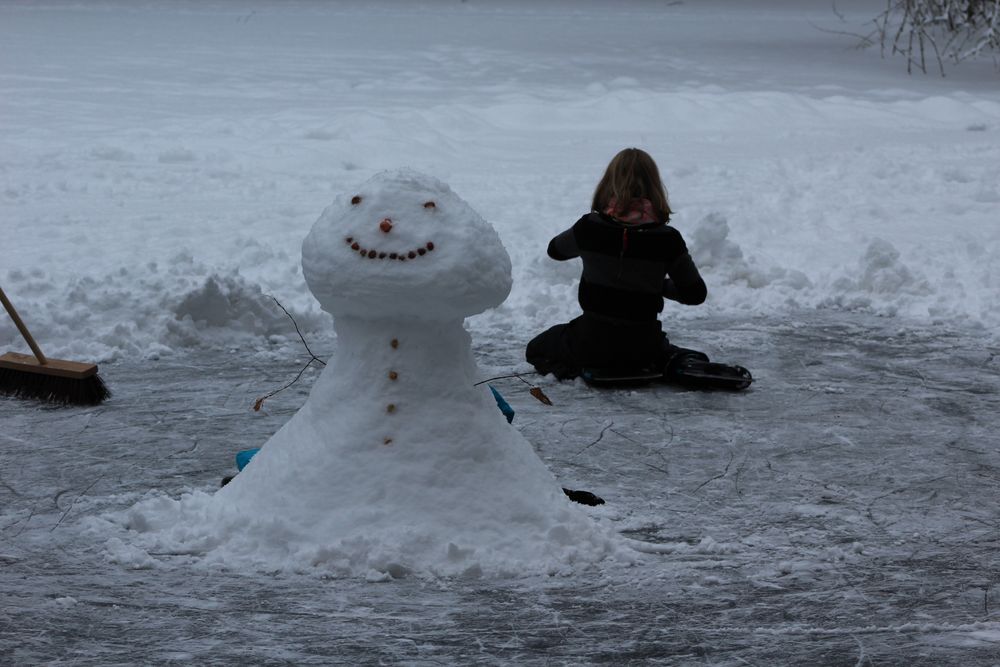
[631, 175]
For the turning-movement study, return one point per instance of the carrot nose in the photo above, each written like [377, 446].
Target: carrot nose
[385, 225]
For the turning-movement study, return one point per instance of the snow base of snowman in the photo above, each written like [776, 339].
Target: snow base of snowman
[576, 495]
[244, 457]
[396, 463]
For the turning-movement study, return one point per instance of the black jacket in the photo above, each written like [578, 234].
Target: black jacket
[629, 269]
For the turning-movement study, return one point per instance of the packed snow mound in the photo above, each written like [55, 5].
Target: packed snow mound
[882, 272]
[403, 244]
[718, 255]
[152, 310]
[231, 302]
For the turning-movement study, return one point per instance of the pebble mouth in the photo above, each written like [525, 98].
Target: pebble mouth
[381, 254]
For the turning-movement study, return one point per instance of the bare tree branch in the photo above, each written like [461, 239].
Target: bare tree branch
[938, 30]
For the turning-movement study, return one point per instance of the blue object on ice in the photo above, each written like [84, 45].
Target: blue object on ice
[504, 406]
[243, 457]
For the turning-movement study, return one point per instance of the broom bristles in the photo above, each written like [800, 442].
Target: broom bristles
[53, 389]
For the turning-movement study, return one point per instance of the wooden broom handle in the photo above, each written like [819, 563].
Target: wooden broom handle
[23, 329]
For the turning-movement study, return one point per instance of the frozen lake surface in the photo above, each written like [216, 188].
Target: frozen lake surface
[160, 164]
[842, 511]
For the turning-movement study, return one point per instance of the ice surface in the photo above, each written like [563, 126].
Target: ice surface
[163, 147]
[842, 509]
[160, 164]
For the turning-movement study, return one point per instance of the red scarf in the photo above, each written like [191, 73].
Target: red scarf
[639, 211]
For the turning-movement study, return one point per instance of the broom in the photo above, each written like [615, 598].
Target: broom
[53, 380]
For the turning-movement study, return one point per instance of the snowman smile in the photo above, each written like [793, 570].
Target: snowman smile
[401, 256]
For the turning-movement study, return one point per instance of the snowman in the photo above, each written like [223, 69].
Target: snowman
[396, 463]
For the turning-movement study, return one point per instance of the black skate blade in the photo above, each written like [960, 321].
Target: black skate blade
[707, 375]
[611, 377]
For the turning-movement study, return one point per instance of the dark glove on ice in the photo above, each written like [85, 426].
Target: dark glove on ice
[583, 497]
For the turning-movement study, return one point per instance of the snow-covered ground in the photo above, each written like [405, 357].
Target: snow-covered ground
[160, 164]
[160, 160]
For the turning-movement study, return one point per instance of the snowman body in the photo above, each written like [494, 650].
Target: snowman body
[397, 462]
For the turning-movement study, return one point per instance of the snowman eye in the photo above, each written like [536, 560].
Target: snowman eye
[356, 199]
[430, 204]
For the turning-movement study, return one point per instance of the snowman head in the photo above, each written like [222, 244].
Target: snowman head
[403, 244]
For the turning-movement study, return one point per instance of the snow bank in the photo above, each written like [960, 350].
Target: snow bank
[152, 310]
[792, 168]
